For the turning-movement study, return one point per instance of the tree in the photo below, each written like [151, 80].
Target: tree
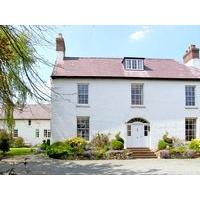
[18, 62]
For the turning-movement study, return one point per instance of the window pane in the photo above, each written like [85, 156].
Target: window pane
[83, 93]
[190, 95]
[190, 129]
[137, 94]
[83, 127]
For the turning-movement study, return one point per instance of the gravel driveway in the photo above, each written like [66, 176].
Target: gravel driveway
[40, 165]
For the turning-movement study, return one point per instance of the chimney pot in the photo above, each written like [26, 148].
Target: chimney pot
[60, 48]
[191, 53]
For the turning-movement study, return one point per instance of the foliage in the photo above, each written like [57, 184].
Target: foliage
[44, 145]
[100, 141]
[100, 153]
[117, 145]
[195, 145]
[162, 145]
[77, 144]
[59, 150]
[17, 142]
[177, 142]
[20, 151]
[167, 139]
[177, 150]
[19, 78]
[4, 141]
[119, 138]
[48, 142]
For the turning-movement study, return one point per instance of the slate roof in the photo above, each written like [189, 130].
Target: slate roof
[32, 111]
[113, 68]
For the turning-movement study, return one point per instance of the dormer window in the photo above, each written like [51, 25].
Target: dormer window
[134, 63]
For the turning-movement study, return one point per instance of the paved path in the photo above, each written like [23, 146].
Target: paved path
[41, 165]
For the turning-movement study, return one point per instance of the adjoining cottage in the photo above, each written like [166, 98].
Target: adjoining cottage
[140, 97]
[32, 123]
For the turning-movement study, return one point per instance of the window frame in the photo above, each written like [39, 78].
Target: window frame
[192, 97]
[134, 64]
[86, 129]
[15, 133]
[45, 133]
[189, 128]
[140, 96]
[85, 97]
[37, 132]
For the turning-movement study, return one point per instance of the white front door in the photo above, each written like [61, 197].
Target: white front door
[137, 137]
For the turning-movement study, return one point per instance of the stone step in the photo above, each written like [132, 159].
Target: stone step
[141, 153]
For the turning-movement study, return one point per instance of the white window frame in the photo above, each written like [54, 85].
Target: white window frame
[134, 64]
[190, 98]
[37, 132]
[83, 132]
[84, 95]
[15, 131]
[141, 95]
[188, 131]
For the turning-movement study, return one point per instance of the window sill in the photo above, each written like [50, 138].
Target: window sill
[83, 106]
[138, 106]
[191, 107]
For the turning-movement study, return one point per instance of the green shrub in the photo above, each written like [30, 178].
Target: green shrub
[17, 142]
[167, 139]
[77, 144]
[162, 145]
[195, 145]
[44, 145]
[100, 141]
[59, 150]
[48, 142]
[117, 145]
[4, 141]
[177, 150]
[100, 153]
[118, 138]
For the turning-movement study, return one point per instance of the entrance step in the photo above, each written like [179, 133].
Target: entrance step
[141, 153]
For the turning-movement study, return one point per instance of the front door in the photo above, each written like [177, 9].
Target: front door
[138, 136]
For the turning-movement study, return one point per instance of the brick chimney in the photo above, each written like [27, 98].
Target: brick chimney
[191, 57]
[60, 47]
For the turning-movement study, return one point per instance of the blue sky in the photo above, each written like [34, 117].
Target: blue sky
[120, 41]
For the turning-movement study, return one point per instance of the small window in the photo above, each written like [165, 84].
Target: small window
[83, 127]
[128, 130]
[190, 95]
[15, 133]
[137, 94]
[37, 133]
[45, 133]
[82, 93]
[190, 129]
[49, 133]
[29, 122]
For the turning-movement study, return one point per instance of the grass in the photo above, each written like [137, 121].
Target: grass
[19, 151]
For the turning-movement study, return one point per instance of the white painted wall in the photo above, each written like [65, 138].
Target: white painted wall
[194, 63]
[110, 107]
[28, 132]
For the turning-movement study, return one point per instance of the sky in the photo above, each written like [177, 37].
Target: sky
[120, 41]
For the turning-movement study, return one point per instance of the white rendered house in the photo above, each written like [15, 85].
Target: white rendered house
[140, 97]
[32, 123]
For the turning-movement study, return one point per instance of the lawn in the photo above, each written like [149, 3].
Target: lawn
[20, 151]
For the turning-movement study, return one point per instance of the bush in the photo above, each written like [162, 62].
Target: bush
[167, 139]
[164, 154]
[177, 150]
[44, 145]
[78, 145]
[100, 154]
[17, 142]
[118, 138]
[4, 141]
[59, 150]
[195, 145]
[100, 141]
[177, 142]
[117, 145]
[162, 145]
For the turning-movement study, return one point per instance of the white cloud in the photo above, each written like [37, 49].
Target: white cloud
[138, 35]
